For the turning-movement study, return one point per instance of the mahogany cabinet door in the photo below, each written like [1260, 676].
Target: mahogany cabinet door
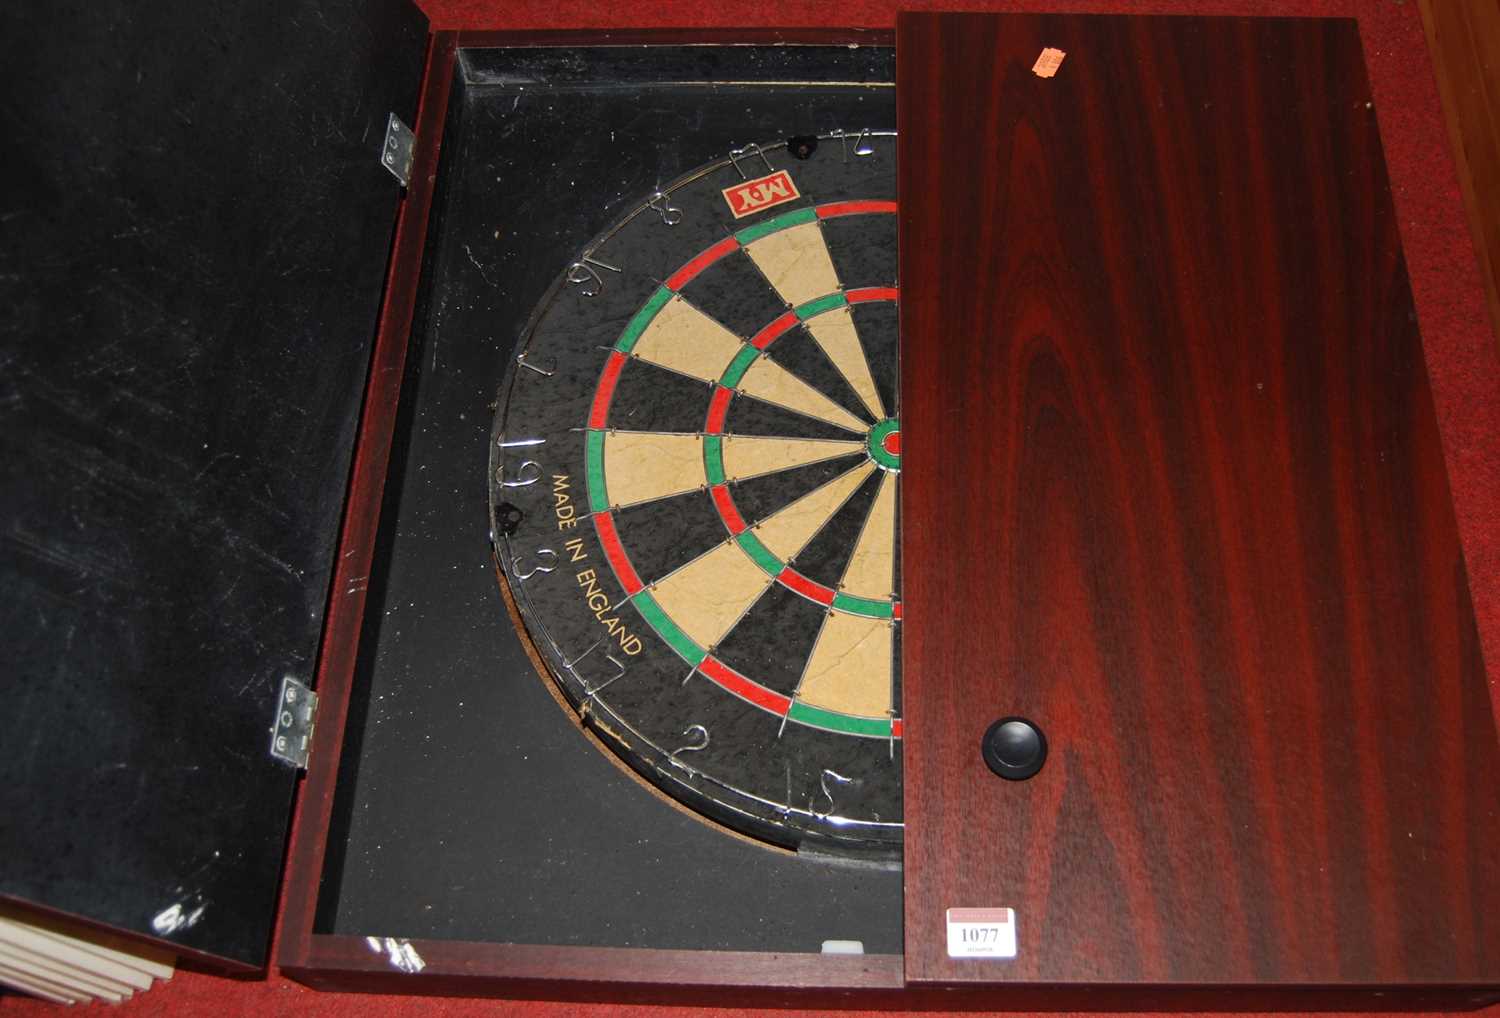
[1173, 492]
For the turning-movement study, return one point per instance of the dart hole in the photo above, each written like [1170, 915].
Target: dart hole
[802, 145]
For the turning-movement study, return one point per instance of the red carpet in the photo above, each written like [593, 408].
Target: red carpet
[1463, 356]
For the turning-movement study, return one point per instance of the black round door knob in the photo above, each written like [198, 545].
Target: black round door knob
[1014, 748]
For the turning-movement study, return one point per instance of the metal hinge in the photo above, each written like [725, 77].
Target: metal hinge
[396, 153]
[296, 713]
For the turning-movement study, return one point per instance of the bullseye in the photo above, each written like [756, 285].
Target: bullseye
[884, 444]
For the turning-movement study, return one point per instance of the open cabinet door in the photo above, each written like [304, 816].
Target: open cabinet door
[195, 226]
[1174, 495]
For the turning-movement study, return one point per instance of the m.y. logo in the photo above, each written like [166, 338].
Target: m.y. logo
[761, 193]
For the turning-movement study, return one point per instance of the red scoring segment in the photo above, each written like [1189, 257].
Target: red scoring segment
[718, 407]
[789, 577]
[868, 293]
[727, 509]
[606, 390]
[743, 687]
[604, 523]
[677, 280]
[851, 208]
[765, 337]
[892, 443]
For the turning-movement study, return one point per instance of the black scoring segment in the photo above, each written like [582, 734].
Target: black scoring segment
[863, 248]
[876, 323]
[896, 662]
[773, 641]
[828, 553]
[651, 398]
[734, 293]
[800, 354]
[666, 534]
[759, 497]
[750, 416]
[896, 559]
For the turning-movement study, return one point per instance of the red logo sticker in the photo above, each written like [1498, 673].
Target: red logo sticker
[761, 193]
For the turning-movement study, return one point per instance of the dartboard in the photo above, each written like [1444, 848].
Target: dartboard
[695, 486]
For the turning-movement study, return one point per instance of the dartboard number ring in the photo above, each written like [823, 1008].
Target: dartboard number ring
[695, 487]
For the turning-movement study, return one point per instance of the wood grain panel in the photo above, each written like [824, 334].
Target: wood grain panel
[1463, 37]
[1174, 491]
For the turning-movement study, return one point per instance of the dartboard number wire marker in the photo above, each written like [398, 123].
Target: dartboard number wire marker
[695, 490]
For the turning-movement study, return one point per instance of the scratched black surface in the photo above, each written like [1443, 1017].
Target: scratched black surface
[193, 233]
[469, 806]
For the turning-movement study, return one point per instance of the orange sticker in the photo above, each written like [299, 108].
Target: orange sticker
[1047, 64]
